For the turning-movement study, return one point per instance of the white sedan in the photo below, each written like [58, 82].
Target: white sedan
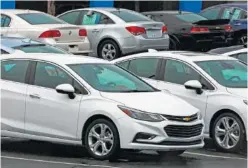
[72, 99]
[217, 85]
[45, 28]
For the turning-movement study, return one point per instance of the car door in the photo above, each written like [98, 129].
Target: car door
[48, 113]
[14, 75]
[175, 73]
[239, 19]
[147, 68]
[5, 23]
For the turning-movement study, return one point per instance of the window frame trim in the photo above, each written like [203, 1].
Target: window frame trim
[184, 62]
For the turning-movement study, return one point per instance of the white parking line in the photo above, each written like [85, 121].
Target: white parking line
[56, 162]
[215, 156]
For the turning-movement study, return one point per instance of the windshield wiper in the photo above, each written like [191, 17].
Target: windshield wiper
[135, 90]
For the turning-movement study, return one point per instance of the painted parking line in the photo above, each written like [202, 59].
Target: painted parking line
[215, 156]
[56, 162]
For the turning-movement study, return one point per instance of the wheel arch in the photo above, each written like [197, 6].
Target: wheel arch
[217, 114]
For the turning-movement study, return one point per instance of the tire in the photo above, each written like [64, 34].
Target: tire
[113, 150]
[110, 46]
[173, 45]
[238, 131]
[170, 153]
[242, 40]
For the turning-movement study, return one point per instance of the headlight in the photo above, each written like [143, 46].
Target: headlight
[140, 115]
[245, 101]
[199, 114]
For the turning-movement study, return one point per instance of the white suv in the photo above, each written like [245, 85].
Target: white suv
[83, 100]
[217, 85]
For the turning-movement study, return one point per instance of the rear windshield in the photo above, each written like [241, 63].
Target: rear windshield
[190, 17]
[41, 49]
[39, 18]
[130, 16]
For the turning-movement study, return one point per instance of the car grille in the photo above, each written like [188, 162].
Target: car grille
[181, 118]
[180, 143]
[183, 131]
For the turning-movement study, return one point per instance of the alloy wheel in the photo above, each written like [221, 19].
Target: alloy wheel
[108, 52]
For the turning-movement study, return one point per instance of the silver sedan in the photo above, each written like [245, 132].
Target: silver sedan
[116, 32]
[46, 28]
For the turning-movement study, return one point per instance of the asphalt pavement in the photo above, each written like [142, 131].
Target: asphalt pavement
[31, 154]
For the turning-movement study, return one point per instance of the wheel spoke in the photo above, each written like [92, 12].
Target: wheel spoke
[219, 132]
[234, 138]
[109, 46]
[225, 141]
[104, 149]
[96, 146]
[234, 126]
[225, 122]
[103, 129]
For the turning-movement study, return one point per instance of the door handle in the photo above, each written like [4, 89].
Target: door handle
[34, 96]
[96, 30]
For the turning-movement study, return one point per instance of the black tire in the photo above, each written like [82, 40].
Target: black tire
[242, 40]
[113, 154]
[173, 45]
[238, 147]
[114, 44]
[170, 153]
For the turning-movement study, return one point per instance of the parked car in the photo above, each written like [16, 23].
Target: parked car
[239, 51]
[45, 28]
[130, 114]
[236, 12]
[215, 85]
[28, 46]
[190, 31]
[116, 32]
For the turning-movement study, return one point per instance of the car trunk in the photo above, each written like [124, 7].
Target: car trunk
[214, 26]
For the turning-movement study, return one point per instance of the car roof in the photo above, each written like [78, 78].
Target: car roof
[187, 56]
[17, 41]
[18, 11]
[239, 5]
[62, 59]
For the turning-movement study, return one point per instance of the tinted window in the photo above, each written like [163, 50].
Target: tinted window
[238, 14]
[40, 18]
[124, 64]
[212, 13]
[191, 17]
[227, 13]
[5, 21]
[144, 67]
[4, 52]
[229, 73]
[50, 76]
[242, 57]
[70, 17]
[179, 73]
[14, 70]
[130, 16]
[41, 49]
[95, 18]
[110, 78]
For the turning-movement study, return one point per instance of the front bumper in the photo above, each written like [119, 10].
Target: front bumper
[135, 44]
[77, 47]
[129, 128]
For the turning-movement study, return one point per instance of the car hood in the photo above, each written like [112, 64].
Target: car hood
[154, 102]
[242, 92]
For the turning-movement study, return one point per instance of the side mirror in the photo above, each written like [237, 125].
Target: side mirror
[194, 85]
[66, 89]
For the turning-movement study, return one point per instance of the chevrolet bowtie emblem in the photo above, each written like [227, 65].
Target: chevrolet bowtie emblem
[186, 119]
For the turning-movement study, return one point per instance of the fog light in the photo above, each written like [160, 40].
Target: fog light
[143, 136]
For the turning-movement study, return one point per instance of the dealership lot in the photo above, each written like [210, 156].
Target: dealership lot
[22, 154]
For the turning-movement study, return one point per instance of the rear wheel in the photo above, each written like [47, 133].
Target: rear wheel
[228, 132]
[109, 50]
[102, 140]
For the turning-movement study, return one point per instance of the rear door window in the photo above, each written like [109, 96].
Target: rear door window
[95, 18]
[212, 13]
[70, 17]
[227, 13]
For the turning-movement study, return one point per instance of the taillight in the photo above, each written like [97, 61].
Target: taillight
[164, 29]
[82, 32]
[199, 30]
[50, 34]
[228, 28]
[135, 30]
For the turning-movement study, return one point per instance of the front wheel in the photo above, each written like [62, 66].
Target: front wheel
[228, 132]
[102, 140]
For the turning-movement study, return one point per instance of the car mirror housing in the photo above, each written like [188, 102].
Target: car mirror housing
[194, 85]
[66, 89]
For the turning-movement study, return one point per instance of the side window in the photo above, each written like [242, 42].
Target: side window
[227, 13]
[179, 73]
[70, 17]
[239, 14]
[14, 70]
[124, 64]
[50, 76]
[243, 57]
[211, 14]
[5, 21]
[144, 67]
[95, 18]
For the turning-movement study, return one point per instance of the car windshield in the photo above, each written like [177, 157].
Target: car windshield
[190, 17]
[229, 73]
[130, 16]
[110, 78]
[40, 18]
[42, 48]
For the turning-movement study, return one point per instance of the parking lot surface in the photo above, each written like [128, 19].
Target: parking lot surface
[25, 154]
